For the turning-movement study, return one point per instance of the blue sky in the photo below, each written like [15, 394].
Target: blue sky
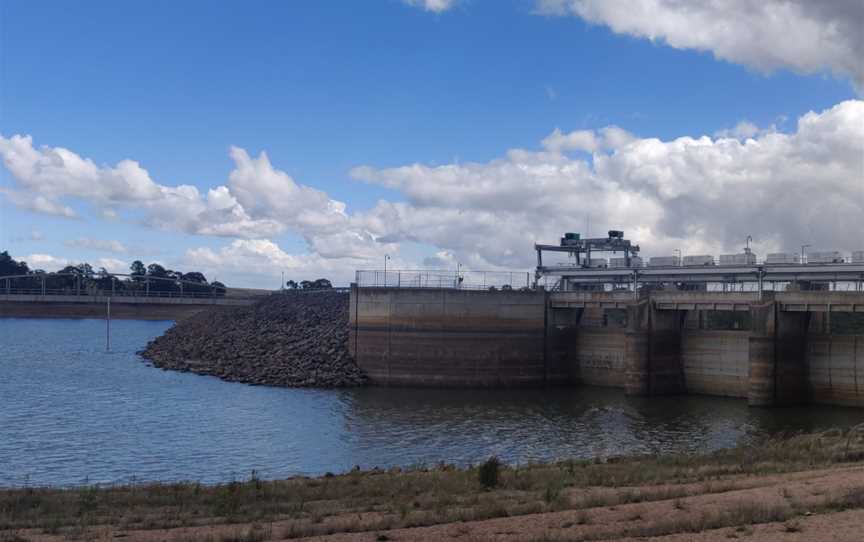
[324, 87]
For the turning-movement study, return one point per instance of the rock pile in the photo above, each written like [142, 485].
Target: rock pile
[292, 340]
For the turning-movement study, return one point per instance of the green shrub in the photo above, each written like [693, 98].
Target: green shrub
[488, 472]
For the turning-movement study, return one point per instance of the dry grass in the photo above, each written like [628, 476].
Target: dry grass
[377, 501]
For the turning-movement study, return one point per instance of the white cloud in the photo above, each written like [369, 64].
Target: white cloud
[112, 265]
[743, 130]
[51, 263]
[259, 201]
[804, 36]
[699, 194]
[436, 6]
[268, 193]
[46, 262]
[104, 245]
[58, 172]
[610, 137]
[250, 260]
[579, 140]
[38, 203]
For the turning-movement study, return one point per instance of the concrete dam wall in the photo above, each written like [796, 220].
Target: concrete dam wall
[449, 337]
[445, 337]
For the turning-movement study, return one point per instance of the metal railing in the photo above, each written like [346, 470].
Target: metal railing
[309, 291]
[77, 284]
[107, 293]
[457, 280]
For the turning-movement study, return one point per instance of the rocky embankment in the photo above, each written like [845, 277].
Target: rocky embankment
[292, 340]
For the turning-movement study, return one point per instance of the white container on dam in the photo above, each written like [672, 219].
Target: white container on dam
[783, 257]
[829, 256]
[664, 261]
[701, 259]
[635, 261]
[745, 258]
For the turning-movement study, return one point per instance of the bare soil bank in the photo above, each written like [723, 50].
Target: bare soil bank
[806, 487]
[292, 340]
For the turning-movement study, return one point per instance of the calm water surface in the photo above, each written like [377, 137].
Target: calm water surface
[70, 413]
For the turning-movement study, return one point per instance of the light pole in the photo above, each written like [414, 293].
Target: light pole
[386, 257]
[802, 252]
[282, 284]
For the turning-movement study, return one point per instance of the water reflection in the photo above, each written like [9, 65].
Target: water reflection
[70, 413]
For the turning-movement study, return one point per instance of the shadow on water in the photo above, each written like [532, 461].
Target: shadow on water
[71, 413]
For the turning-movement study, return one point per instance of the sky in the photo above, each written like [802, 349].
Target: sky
[250, 139]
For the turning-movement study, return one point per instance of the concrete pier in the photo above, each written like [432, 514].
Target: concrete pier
[777, 356]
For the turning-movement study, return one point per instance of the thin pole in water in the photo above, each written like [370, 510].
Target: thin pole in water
[108, 325]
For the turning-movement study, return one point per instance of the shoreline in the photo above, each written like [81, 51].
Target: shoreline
[784, 485]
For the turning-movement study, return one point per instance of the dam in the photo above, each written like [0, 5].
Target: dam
[793, 338]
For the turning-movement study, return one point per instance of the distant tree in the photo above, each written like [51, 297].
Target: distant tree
[68, 277]
[86, 270]
[8, 265]
[157, 271]
[138, 268]
[103, 280]
[322, 284]
[291, 285]
[194, 276]
[162, 278]
[218, 288]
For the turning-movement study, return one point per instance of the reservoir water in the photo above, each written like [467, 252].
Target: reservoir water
[72, 413]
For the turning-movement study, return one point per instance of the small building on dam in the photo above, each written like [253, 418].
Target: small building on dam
[775, 334]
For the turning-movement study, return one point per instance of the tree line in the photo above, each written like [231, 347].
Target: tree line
[319, 284]
[83, 277]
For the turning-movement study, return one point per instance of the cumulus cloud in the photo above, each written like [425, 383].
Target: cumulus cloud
[258, 201]
[104, 245]
[57, 172]
[264, 258]
[699, 194]
[800, 35]
[45, 262]
[112, 265]
[38, 203]
[52, 263]
[702, 194]
[610, 137]
[436, 6]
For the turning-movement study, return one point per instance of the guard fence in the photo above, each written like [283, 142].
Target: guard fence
[458, 280]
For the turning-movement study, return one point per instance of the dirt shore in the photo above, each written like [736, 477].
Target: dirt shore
[804, 487]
